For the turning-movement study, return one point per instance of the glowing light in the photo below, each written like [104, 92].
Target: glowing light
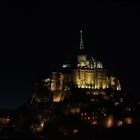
[109, 121]
[104, 114]
[4, 120]
[119, 88]
[42, 124]
[104, 85]
[57, 99]
[128, 120]
[47, 80]
[94, 122]
[116, 103]
[75, 131]
[66, 65]
[75, 110]
[119, 123]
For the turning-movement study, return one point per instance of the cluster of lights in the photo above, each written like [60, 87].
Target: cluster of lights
[5, 120]
[36, 128]
[108, 120]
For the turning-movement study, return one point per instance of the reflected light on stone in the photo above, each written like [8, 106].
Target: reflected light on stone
[57, 99]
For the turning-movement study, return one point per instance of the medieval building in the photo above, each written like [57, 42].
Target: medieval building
[88, 73]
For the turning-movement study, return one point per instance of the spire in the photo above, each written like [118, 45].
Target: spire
[81, 41]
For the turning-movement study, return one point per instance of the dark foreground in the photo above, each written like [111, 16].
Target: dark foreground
[119, 133]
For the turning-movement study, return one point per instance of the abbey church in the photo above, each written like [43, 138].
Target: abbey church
[86, 73]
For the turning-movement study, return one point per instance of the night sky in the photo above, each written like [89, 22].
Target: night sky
[35, 37]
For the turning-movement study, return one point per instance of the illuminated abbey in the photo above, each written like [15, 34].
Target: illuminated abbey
[88, 73]
[82, 90]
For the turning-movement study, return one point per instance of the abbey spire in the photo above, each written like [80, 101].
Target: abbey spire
[81, 41]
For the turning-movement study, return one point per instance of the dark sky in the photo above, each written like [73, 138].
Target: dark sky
[34, 37]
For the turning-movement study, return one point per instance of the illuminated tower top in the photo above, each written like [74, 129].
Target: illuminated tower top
[81, 41]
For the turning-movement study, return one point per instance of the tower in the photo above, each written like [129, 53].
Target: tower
[82, 56]
[81, 40]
